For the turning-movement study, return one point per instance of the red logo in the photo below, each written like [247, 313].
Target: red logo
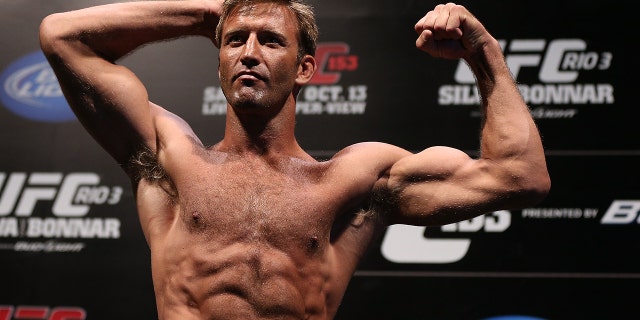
[333, 58]
[38, 312]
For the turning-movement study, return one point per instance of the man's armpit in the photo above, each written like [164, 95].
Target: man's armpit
[145, 165]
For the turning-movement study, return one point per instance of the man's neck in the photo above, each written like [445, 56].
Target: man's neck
[260, 135]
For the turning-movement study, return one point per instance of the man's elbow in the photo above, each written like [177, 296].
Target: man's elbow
[50, 33]
[535, 187]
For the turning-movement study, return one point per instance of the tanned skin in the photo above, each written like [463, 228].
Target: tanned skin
[254, 227]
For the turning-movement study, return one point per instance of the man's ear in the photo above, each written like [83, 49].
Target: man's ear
[306, 69]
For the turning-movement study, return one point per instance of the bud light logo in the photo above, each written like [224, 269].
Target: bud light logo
[31, 90]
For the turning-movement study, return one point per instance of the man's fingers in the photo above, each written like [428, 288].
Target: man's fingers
[423, 37]
[419, 27]
[443, 22]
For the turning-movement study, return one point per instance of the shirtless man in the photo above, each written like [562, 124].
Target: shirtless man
[253, 227]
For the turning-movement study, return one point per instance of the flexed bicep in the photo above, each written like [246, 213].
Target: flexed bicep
[442, 185]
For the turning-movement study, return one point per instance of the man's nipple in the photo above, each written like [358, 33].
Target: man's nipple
[313, 244]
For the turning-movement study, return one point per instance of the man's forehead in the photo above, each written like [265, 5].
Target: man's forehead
[262, 15]
[260, 8]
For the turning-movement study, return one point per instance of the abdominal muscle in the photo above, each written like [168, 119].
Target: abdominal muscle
[229, 267]
[250, 238]
[240, 281]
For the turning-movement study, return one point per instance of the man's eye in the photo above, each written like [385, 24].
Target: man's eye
[234, 39]
[273, 40]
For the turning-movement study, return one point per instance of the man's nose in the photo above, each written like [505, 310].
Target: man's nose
[251, 51]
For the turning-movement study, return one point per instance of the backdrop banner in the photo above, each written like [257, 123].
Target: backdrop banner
[71, 246]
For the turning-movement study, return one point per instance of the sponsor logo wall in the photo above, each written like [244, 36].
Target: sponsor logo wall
[71, 246]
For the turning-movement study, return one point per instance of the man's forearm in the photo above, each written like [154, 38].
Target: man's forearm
[113, 30]
[509, 135]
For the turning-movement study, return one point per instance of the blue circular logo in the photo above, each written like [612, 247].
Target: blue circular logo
[31, 90]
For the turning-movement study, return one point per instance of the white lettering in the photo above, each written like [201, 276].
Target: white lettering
[11, 191]
[8, 227]
[622, 212]
[550, 70]
[49, 246]
[73, 228]
[31, 195]
[407, 244]
[71, 194]
[552, 213]
[63, 206]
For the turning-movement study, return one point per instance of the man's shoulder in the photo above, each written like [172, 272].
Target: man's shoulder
[370, 156]
[371, 150]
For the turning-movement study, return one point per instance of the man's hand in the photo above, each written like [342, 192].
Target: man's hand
[212, 16]
[450, 31]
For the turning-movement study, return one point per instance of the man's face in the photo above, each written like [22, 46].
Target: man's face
[258, 63]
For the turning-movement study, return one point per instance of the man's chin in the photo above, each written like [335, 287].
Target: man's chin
[247, 105]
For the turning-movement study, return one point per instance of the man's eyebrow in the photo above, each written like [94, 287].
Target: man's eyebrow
[260, 33]
[272, 33]
[234, 31]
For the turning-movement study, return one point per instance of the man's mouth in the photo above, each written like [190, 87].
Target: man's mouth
[248, 76]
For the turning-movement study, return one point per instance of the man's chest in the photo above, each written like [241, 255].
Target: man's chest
[256, 202]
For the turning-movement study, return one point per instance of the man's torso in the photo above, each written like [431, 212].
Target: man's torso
[254, 237]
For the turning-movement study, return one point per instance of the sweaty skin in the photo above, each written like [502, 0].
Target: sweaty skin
[265, 237]
[264, 234]
[253, 227]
